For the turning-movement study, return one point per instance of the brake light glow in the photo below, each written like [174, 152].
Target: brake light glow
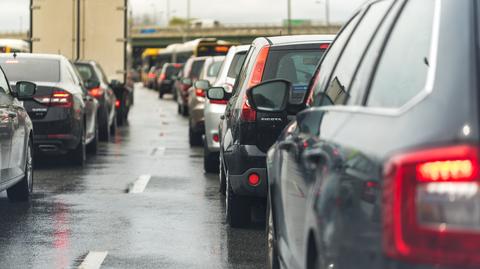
[431, 206]
[259, 67]
[254, 179]
[117, 103]
[151, 75]
[96, 92]
[199, 93]
[163, 76]
[216, 138]
[324, 46]
[59, 98]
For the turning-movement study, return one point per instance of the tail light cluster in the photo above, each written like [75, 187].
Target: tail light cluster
[59, 98]
[96, 92]
[248, 114]
[162, 77]
[151, 75]
[432, 207]
[199, 93]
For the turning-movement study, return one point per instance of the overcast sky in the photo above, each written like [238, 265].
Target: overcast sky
[14, 14]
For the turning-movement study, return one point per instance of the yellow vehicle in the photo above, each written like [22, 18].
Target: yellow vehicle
[13, 45]
[150, 58]
[179, 53]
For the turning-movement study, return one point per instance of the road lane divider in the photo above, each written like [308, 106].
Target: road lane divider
[93, 260]
[140, 184]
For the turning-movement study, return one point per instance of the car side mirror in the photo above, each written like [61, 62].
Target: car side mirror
[89, 84]
[217, 94]
[187, 81]
[202, 84]
[309, 120]
[270, 96]
[25, 90]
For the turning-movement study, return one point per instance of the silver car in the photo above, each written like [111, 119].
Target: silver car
[196, 98]
[214, 109]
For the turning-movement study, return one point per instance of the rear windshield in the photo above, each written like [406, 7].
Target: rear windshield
[296, 66]
[236, 64]
[214, 68]
[24, 69]
[172, 70]
[196, 69]
[86, 72]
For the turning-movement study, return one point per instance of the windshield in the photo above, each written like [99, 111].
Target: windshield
[25, 69]
[86, 72]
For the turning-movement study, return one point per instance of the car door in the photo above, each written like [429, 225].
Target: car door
[8, 119]
[90, 104]
[19, 138]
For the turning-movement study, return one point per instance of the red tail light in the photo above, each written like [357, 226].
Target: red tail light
[58, 98]
[324, 46]
[199, 93]
[431, 210]
[96, 92]
[216, 138]
[259, 67]
[151, 75]
[163, 76]
[117, 103]
[248, 114]
[219, 102]
[254, 179]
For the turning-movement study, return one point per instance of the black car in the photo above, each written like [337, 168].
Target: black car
[63, 112]
[96, 82]
[245, 136]
[165, 80]
[383, 171]
[16, 140]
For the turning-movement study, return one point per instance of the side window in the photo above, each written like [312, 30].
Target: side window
[243, 72]
[328, 62]
[362, 77]
[338, 90]
[4, 88]
[403, 68]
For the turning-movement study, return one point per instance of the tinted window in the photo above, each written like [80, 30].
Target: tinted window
[213, 69]
[339, 86]
[236, 64]
[329, 61]
[296, 66]
[86, 72]
[402, 71]
[196, 69]
[171, 71]
[4, 89]
[41, 70]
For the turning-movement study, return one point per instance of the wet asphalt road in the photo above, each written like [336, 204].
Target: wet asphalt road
[177, 222]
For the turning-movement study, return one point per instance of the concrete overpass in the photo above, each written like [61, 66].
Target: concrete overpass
[144, 36]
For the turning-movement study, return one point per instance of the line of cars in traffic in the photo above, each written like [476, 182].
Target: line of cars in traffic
[52, 106]
[364, 147]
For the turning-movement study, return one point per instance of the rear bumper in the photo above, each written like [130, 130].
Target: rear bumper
[55, 144]
[164, 87]
[242, 161]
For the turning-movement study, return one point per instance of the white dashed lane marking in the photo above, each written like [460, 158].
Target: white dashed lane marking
[140, 184]
[93, 260]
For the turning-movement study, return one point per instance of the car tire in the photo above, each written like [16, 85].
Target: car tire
[237, 208]
[120, 117]
[179, 109]
[113, 127]
[160, 94]
[194, 138]
[92, 148]
[104, 132]
[184, 110]
[78, 155]
[222, 178]
[210, 160]
[272, 254]
[21, 191]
